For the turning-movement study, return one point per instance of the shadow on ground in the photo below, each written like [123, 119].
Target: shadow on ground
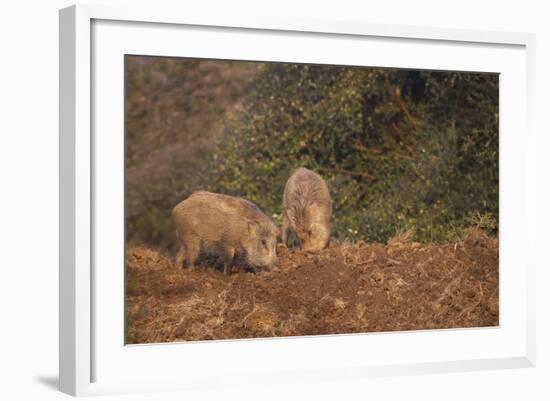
[52, 382]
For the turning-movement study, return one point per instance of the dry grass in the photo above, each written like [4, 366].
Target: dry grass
[348, 288]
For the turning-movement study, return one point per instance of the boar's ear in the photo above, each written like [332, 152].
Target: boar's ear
[253, 227]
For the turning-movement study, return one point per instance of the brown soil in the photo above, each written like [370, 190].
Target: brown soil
[348, 288]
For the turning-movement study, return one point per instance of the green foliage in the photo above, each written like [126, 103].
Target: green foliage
[399, 149]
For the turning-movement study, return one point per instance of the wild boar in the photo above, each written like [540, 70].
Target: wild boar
[224, 224]
[307, 209]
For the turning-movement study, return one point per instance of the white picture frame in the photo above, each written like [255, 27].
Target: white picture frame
[92, 38]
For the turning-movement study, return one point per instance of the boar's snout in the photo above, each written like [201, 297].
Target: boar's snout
[316, 238]
[261, 252]
[262, 260]
[274, 262]
[312, 247]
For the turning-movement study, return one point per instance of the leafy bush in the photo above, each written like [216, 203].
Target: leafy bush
[399, 149]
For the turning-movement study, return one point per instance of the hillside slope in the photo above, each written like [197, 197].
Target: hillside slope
[348, 288]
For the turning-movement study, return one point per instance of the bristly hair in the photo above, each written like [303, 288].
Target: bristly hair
[306, 192]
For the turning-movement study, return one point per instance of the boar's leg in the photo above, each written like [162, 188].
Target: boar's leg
[228, 254]
[284, 228]
[180, 256]
[191, 253]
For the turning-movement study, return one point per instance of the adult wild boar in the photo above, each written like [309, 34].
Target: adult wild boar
[224, 224]
[307, 209]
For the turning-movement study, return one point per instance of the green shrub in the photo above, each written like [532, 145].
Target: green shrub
[399, 149]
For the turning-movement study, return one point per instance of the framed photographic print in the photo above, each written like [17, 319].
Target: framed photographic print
[274, 200]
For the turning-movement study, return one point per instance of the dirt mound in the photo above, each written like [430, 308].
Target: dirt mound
[347, 288]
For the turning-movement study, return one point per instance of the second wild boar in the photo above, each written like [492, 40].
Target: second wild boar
[224, 224]
[307, 209]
